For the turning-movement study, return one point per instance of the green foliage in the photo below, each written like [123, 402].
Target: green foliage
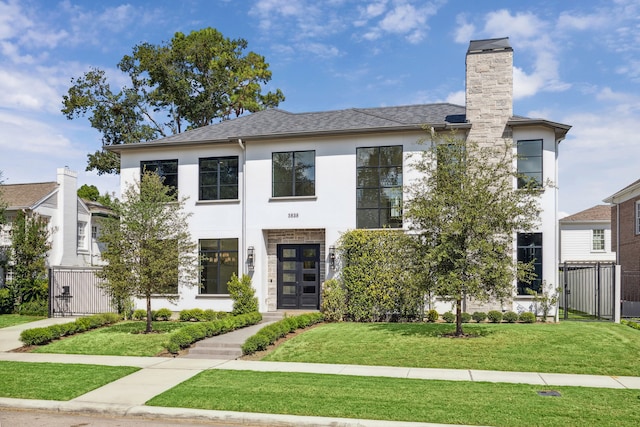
[479, 316]
[378, 276]
[510, 317]
[334, 301]
[184, 337]
[189, 82]
[631, 324]
[527, 317]
[432, 315]
[6, 301]
[162, 314]
[41, 336]
[243, 295]
[544, 302]
[449, 317]
[464, 211]
[149, 249]
[139, 314]
[200, 315]
[494, 316]
[273, 332]
[29, 246]
[89, 192]
[465, 317]
[35, 307]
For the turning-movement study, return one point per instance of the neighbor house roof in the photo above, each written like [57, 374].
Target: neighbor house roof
[630, 191]
[26, 196]
[596, 213]
[276, 123]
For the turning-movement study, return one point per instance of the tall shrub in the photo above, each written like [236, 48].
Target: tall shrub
[242, 294]
[334, 304]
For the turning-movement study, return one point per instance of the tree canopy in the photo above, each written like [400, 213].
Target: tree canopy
[149, 249]
[464, 211]
[189, 82]
[91, 192]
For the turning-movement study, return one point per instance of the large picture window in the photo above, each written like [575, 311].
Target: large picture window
[379, 187]
[219, 260]
[530, 163]
[166, 169]
[294, 173]
[218, 178]
[530, 249]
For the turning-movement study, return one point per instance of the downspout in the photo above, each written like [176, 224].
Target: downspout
[243, 203]
[618, 233]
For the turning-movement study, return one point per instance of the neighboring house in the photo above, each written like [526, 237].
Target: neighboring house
[73, 223]
[625, 242]
[586, 236]
[270, 193]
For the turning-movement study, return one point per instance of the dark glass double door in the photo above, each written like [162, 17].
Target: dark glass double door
[298, 276]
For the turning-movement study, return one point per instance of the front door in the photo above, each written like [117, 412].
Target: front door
[299, 276]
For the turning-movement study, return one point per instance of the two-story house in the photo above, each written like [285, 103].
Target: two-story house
[271, 192]
[73, 223]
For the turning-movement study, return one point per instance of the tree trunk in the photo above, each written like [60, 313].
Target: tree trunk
[459, 331]
[149, 327]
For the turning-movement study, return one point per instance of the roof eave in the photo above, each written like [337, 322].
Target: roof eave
[560, 129]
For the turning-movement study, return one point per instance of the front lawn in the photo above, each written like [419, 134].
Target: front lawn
[7, 320]
[121, 339]
[568, 347]
[55, 381]
[402, 399]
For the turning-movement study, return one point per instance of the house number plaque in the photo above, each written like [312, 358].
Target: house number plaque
[293, 214]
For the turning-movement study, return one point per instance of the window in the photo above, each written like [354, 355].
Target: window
[219, 258]
[530, 163]
[218, 178]
[638, 217]
[294, 173]
[166, 169]
[530, 249]
[379, 187]
[82, 235]
[597, 240]
[94, 232]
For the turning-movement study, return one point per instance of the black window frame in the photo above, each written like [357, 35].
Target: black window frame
[221, 190]
[216, 254]
[371, 180]
[301, 185]
[159, 167]
[528, 177]
[530, 247]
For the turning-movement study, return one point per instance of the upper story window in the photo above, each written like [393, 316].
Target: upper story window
[379, 187]
[218, 178]
[82, 235]
[597, 240]
[530, 163]
[530, 249]
[166, 169]
[294, 173]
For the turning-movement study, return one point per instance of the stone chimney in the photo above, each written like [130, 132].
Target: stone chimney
[489, 90]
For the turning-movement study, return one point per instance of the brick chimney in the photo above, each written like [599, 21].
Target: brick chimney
[489, 90]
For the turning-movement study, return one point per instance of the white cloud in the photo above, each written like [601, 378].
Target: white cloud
[457, 98]
[521, 25]
[21, 133]
[13, 22]
[464, 30]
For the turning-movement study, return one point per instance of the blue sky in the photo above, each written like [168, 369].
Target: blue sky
[575, 62]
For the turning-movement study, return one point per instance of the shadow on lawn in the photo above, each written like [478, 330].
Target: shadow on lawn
[436, 330]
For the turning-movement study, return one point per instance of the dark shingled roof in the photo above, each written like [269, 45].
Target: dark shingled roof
[596, 213]
[274, 122]
[25, 196]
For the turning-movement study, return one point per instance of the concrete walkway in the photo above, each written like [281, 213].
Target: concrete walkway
[127, 396]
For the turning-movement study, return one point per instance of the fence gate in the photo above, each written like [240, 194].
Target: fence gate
[588, 290]
[74, 291]
[630, 293]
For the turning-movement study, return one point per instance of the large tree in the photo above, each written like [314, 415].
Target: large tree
[465, 211]
[189, 82]
[148, 245]
[29, 246]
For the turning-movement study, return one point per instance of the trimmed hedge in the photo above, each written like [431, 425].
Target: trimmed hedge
[631, 324]
[527, 317]
[510, 317]
[200, 315]
[41, 336]
[184, 337]
[271, 333]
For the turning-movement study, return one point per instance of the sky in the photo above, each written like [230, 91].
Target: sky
[575, 62]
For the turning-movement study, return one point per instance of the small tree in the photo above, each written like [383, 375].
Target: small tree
[464, 211]
[148, 246]
[243, 295]
[29, 246]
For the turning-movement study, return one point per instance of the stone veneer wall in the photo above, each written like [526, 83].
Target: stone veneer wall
[295, 236]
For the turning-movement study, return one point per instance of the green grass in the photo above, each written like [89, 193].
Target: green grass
[402, 399]
[7, 320]
[122, 339]
[567, 347]
[55, 381]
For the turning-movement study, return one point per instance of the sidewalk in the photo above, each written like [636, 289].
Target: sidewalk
[128, 395]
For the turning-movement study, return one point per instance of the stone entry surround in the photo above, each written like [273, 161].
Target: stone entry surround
[273, 238]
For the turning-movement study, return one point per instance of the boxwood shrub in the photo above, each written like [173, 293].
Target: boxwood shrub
[41, 336]
[466, 317]
[271, 333]
[528, 317]
[449, 317]
[494, 316]
[479, 316]
[432, 316]
[510, 317]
